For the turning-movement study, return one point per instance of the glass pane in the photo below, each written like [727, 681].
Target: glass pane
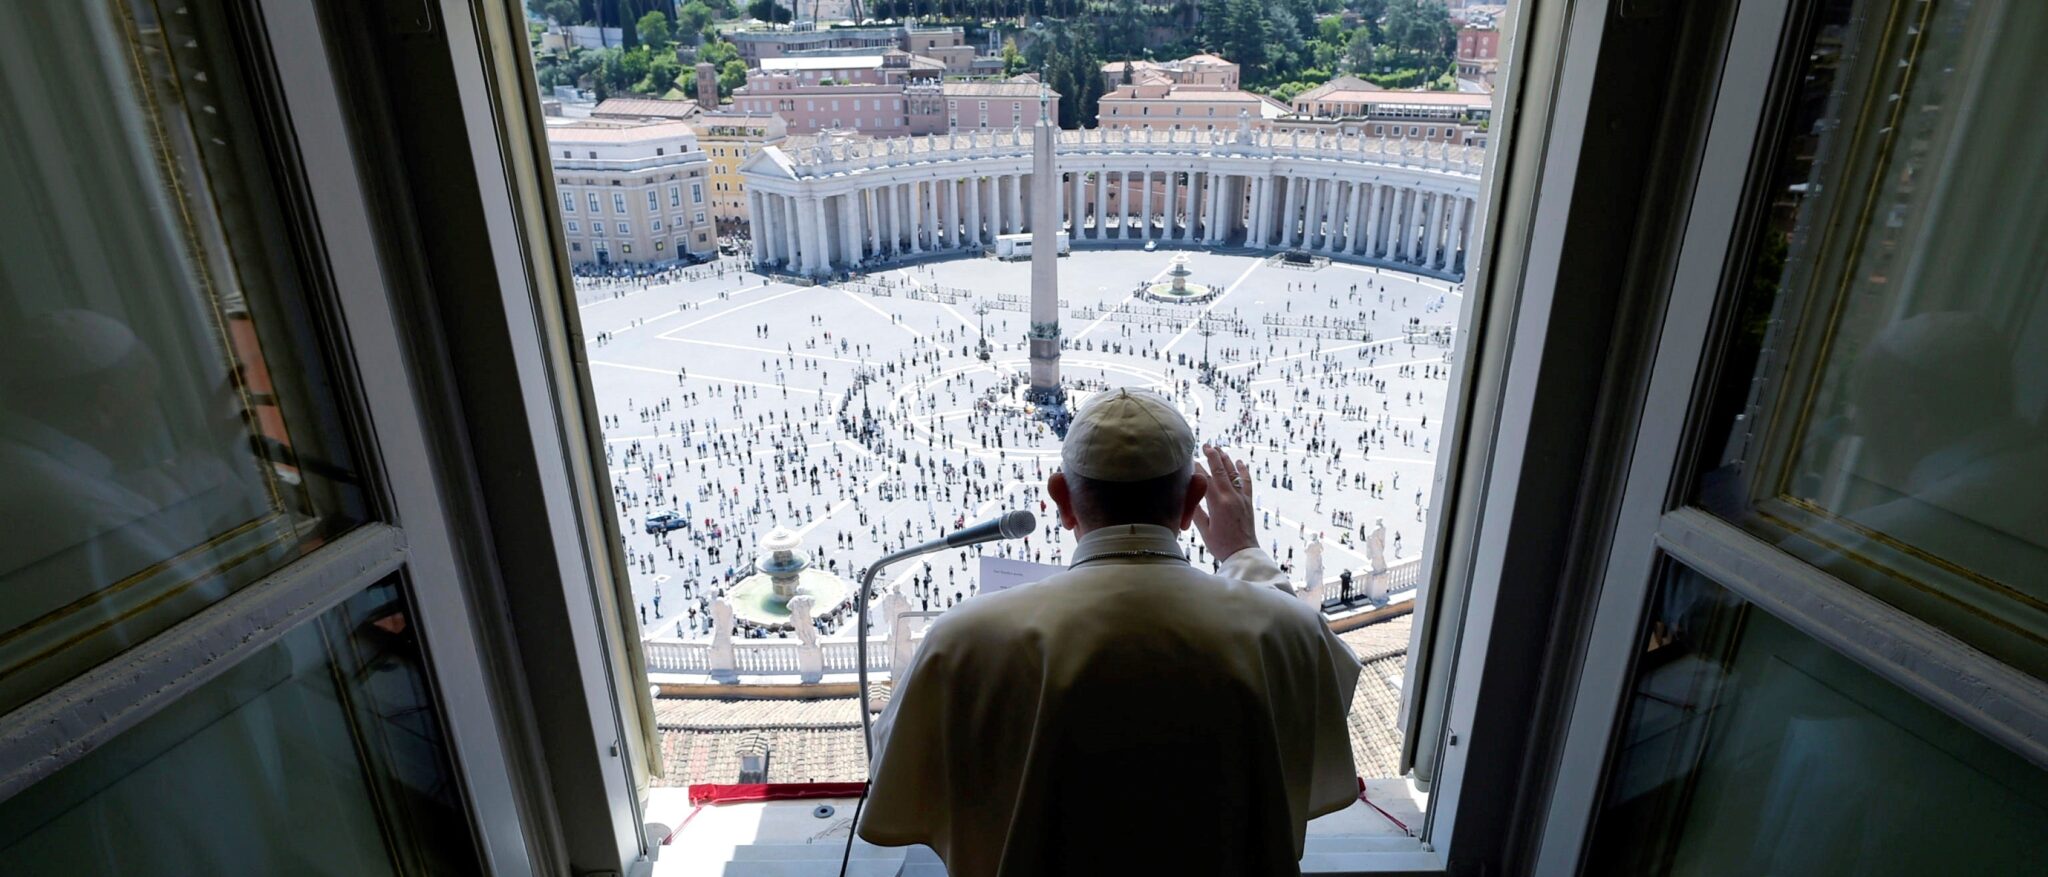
[1885, 391]
[167, 427]
[321, 754]
[1750, 748]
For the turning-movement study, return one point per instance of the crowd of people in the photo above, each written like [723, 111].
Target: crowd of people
[864, 445]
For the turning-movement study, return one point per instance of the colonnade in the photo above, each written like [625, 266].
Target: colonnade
[820, 225]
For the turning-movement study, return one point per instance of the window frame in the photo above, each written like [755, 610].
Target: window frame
[1656, 524]
[410, 534]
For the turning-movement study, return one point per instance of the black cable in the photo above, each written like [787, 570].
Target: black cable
[847, 855]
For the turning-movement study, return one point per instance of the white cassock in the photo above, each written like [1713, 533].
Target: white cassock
[1132, 715]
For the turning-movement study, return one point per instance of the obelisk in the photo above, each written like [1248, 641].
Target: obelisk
[1045, 254]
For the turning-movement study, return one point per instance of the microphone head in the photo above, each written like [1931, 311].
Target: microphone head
[1018, 523]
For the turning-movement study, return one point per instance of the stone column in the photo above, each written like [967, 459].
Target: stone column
[913, 222]
[785, 232]
[929, 203]
[974, 211]
[1290, 213]
[1399, 236]
[817, 238]
[755, 231]
[1255, 224]
[871, 219]
[1355, 223]
[1311, 214]
[1457, 242]
[1194, 206]
[1430, 253]
[1101, 199]
[1145, 205]
[1171, 206]
[1077, 206]
[848, 247]
[1014, 210]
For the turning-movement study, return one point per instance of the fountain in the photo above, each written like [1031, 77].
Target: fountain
[1177, 288]
[784, 573]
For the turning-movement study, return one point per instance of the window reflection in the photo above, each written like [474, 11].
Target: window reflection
[1750, 748]
[320, 754]
[166, 424]
[1883, 412]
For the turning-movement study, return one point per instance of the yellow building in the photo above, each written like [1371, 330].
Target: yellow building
[730, 137]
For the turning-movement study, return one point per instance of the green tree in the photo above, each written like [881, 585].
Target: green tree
[717, 52]
[1013, 60]
[768, 10]
[694, 18]
[662, 72]
[1358, 52]
[1420, 33]
[732, 76]
[653, 30]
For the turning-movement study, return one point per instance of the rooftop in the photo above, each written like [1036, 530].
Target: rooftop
[822, 62]
[1382, 97]
[995, 89]
[645, 107]
[598, 131]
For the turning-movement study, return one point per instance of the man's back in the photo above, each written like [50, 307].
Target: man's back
[1132, 715]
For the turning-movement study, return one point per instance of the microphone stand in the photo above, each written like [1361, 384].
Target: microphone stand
[860, 647]
[860, 651]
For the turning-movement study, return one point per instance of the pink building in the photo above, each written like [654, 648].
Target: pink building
[1203, 69]
[888, 95]
[1160, 107]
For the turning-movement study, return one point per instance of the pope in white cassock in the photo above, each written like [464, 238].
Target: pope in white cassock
[1134, 714]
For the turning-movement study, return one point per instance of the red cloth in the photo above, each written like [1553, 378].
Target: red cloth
[733, 793]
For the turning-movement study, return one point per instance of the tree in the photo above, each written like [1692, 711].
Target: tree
[662, 74]
[732, 76]
[1358, 52]
[694, 18]
[769, 11]
[1420, 33]
[1013, 60]
[653, 30]
[563, 12]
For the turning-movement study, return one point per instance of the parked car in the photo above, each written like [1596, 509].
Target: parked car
[662, 522]
[1151, 246]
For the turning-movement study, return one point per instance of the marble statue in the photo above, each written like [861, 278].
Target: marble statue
[722, 662]
[800, 619]
[1376, 546]
[1312, 582]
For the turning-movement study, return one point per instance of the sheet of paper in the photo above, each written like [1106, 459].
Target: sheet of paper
[1002, 573]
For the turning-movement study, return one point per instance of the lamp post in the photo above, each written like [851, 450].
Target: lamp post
[981, 313]
[1205, 329]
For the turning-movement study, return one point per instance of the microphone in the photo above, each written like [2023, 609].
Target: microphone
[1009, 525]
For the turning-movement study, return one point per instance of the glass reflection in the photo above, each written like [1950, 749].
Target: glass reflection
[167, 425]
[1882, 412]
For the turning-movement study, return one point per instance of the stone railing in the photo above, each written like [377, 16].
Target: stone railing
[826, 156]
[780, 657]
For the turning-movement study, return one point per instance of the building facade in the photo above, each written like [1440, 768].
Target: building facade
[984, 106]
[890, 95]
[821, 207]
[947, 45]
[1167, 107]
[1352, 107]
[729, 138]
[632, 193]
[1203, 69]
